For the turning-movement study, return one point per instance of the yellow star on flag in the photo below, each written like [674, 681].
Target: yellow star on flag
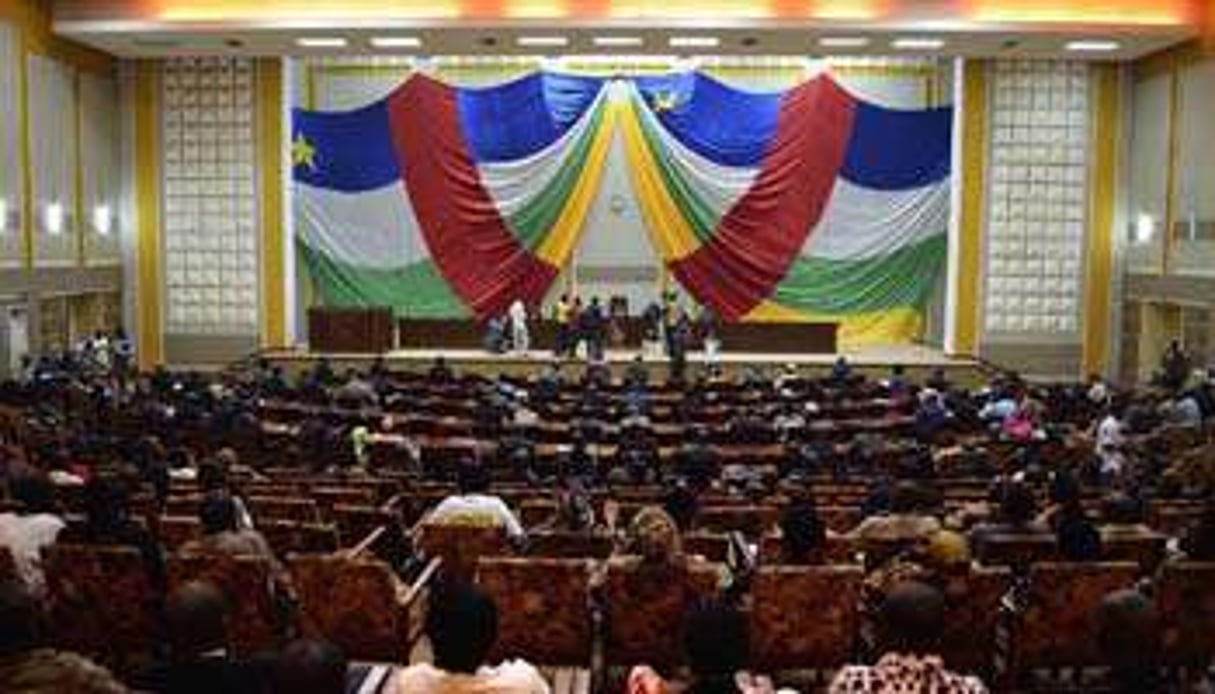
[665, 102]
[303, 152]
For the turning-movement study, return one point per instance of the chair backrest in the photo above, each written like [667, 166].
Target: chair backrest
[972, 614]
[838, 549]
[353, 603]
[175, 531]
[1017, 550]
[1186, 597]
[645, 611]
[286, 537]
[805, 616]
[102, 601]
[254, 620]
[460, 546]
[271, 508]
[569, 545]
[542, 606]
[1057, 629]
[751, 520]
[1146, 550]
[356, 521]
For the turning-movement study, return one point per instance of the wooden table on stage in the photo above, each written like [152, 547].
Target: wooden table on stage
[350, 330]
[780, 338]
[756, 338]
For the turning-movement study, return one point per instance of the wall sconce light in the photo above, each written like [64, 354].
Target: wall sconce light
[53, 218]
[1145, 226]
[103, 220]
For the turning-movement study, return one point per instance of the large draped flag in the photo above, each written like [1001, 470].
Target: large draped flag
[439, 201]
[803, 205]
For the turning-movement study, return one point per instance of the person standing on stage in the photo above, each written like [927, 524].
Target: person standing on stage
[670, 314]
[563, 314]
[520, 339]
[706, 326]
[591, 323]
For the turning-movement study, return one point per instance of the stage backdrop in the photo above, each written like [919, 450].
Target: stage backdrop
[803, 204]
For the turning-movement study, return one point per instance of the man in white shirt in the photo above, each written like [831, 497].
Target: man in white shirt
[24, 534]
[520, 339]
[473, 506]
[462, 626]
[1110, 442]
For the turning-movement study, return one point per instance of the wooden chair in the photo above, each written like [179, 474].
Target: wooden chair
[1186, 598]
[543, 609]
[805, 617]
[254, 623]
[1055, 629]
[972, 615]
[1018, 551]
[1145, 550]
[752, 521]
[273, 508]
[837, 550]
[645, 612]
[175, 531]
[286, 537]
[102, 602]
[569, 545]
[359, 604]
[355, 522]
[460, 546]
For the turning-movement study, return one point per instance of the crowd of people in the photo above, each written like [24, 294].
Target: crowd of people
[67, 425]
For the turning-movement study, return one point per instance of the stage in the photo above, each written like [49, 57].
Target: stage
[919, 360]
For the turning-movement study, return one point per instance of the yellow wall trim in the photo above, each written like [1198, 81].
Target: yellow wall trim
[967, 290]
[149, 284]
[273, 258]
[83, 221]
[1173, 142]
[34, 20]
[1105, 134]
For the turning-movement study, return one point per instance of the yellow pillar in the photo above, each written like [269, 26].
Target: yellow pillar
[149, 274]
[272, 248]
[967, 287]
[24, 152]
[1105, 134]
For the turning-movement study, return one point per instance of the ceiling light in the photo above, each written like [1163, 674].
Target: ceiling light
[396, 42]
[843, 42]
[693, 41]
[918, 43]
[542, 41]
[53, 218]
[1093, 46]
[320, 42]
[617, 41]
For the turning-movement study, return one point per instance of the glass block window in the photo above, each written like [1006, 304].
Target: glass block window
[1037, 200]
[210, 229]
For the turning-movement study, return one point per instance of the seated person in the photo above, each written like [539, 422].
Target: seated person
[28, 664]
[1076, 536]
[905, 519]
[1198, 540]
[474, 506]
[1122, 516]
[803, 535]
[199, 659]
[221, 533]
[911, 623]
[1016, 514]
[1128, 632]
[462, 625]
[108, 522]
[310, 666]
[716, 646]
[31, 529]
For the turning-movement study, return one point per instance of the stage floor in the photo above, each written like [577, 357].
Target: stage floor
[918, 360]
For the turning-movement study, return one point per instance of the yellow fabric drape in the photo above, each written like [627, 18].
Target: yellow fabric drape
[670, 231]
[559, 244]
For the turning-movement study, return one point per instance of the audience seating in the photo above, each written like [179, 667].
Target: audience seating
[102, 602]
[460, 546]
[805, 617]
[1056, 628]
[543, 608]
[359, 604]
[255, 618]
[644, 613]
[1186, 598]
[972, 613]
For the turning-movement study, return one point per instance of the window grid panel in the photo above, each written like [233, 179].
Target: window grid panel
[1037, 194]
[211, 272]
